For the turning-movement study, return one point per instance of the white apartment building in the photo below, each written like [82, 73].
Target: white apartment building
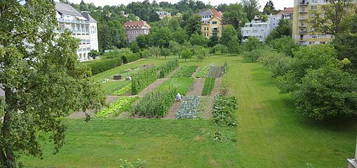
[259, 29]
[82, 26]
[163, 14]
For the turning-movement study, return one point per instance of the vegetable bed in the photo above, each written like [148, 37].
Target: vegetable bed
[185, 71]
[123, 90]
[208, 86]
[121, 105]
[203, 72]
[189, 108]
[223, 110]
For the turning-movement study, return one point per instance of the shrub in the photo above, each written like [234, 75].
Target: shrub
[185, 71]
[208, 86]
[101, 65]
[219, 49]
[285, 45]
[276, 62]
[327, 93]
[223, 110]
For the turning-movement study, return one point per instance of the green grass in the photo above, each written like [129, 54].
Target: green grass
[272, 134]
[161, 143]
[111, 86]
[208, 86]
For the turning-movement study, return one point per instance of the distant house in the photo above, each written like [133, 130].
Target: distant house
[135, 28]
[212, 22]
[259, 29]
[287, 13]
[82, 26]
[163, 14]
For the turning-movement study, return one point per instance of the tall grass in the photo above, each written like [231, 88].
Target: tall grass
[208, 86]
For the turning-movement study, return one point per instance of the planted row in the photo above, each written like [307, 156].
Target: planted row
[155, 104]
[217, 71]
[188, 108]
[144, 78]
[223, 110]
[185, 71]
[122, 105]
[208, 86]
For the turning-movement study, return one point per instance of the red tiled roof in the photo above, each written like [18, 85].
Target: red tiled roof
[286, 11]
[216, 13]
[135, 24]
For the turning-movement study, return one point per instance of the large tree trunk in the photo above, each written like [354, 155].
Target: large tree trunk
[7, 149]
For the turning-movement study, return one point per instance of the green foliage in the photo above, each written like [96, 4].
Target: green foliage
[200, 52]
[185, 71]
[203, 72]
[42, 82]
[305, 59]
[327, 93]
[123, 90]
[285, 45]
[101, 65]
[269, 8]
[193, 25]
[229, 34]
[223, 110]
[160, 37]
[134, 47]
[277, 63]
[208, 86]
[155, 104]
[213, 41]
[142, 79]
[235, 15]
[219, 49]
[167, 68]
[186, 53]
[252, 44]
[123, 104]
[251, 8]
[198, 39]
[94, 53]
[284, 29]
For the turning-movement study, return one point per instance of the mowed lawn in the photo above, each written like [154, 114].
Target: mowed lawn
[270, 133]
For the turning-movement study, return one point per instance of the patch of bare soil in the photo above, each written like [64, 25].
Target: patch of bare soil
[197, 87]
[171, 114]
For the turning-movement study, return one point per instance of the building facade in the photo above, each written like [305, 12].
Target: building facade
[287, 13]
[163, 14]
[82, 26]
[259, 29]
[212, 22]
[136, 28]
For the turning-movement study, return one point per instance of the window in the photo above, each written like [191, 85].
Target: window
[214, 22]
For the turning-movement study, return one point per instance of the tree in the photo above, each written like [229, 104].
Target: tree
[42, 79]
[134, 47]
[269, 8]
[180, 35]
[327, 93]
[330, 19]
[229, 34]
[252, 44]
[251, 8]
[94, 53]
[198, 39]
[213, 40]
[346, 43]
[235, 15]
[193, 25]
[161, 37]
[142, 41]
[186, 54]
[284, 29]
[285, 45]
[175, 48]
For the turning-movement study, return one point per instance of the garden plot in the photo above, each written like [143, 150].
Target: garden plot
[123, 104]
[216, 71]
[189, 108]
[185, 71]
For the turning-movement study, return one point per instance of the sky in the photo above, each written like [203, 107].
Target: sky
[279, 4]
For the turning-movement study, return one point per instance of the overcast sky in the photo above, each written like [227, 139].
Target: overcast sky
[279, 4]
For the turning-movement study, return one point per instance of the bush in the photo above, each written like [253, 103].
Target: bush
[219, 49]
[223, 110]
[101, 65]
[285, 45]
[276, 62]
[327, 93]
[208, 86]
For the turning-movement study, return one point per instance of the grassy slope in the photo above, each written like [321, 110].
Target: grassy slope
[272, 134]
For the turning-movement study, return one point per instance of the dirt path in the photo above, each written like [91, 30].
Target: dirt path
[197, 87]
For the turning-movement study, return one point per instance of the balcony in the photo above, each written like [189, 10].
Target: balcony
[302, 18]
[302, 26]
[302, 11]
